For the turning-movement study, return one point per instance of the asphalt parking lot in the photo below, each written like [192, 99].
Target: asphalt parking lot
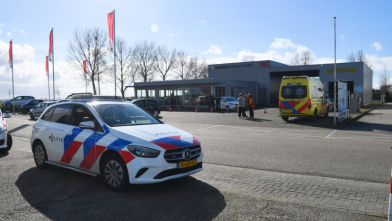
[359, 153]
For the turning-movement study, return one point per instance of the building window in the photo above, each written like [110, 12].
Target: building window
[142, 93]
[232, 92]
[220, 91]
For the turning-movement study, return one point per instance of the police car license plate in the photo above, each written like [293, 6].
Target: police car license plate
[186, 164]
[286, 110]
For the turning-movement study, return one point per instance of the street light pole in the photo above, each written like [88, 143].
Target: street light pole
[334, 79]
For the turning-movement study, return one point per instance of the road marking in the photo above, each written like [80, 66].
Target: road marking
[331, 133]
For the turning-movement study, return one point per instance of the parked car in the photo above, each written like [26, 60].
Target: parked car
[5, 137]
[27, 106]
[229, 103]
[37, 110]
[18, 101]
[151, 105]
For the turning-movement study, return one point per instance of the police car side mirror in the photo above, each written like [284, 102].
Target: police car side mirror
[87, 125]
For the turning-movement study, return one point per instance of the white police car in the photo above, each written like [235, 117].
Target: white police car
[116, 140]
[5, 137]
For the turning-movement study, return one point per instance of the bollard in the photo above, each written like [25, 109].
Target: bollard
[196, 110]
[170, 109]
[265, 110]
[211, 109]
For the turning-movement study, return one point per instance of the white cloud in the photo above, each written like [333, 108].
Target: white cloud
[170, 34]
[377, 46]
[20, 30]
[213, 50]
[154, 28]
[202, 21]
[281, 43]
[342, 37]
[9, 33]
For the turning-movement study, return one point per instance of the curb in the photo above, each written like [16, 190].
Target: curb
[357, 117]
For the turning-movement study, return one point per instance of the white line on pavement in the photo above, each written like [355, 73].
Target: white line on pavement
[331, 134]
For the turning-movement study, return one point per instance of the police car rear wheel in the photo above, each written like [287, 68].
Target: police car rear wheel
[115, 173]
[9, 144]
[40, 156]
[32, 116]
[227, 108]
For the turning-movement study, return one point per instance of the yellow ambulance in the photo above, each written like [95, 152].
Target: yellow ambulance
[302, 96]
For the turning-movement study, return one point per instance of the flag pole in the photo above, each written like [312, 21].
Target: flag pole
[334, 79]
[47, 57]
[13, 94]
[54, 92]
[114, 45]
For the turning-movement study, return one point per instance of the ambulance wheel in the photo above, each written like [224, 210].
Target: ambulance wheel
[115, 173]
[314, 117]
[40, 155]
[326, 114]
[285, 118]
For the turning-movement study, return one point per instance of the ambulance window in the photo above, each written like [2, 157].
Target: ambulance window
[294, 92]
[314, 92]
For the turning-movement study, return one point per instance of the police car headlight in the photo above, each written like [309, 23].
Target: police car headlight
[143, 151]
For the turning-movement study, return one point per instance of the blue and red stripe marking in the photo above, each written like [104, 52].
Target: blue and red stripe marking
[173, 142]
[292, 105]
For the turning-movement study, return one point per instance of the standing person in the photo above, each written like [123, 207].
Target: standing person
[241, 106]
[218, 100]
[212, 102]
[251, 105]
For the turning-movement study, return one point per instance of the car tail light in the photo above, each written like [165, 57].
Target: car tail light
[279, 103]
[33, 126]
[309, 104]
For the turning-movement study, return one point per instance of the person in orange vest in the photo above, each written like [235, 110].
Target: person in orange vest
[251, 105]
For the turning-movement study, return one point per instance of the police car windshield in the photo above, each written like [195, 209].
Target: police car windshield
[116, 115]
[231, 99]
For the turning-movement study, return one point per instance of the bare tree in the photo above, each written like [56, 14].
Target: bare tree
[181, 69]
[302, 58]
[88, 45]
[360, 56]
[58, 93]
[192, 68]
[9, 93]
[166, 61]
[126, 69]
[145, 56]
[202, 69]
[385, 77]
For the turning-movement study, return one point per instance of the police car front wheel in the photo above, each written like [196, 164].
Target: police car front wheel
[40, 156]
[115, 173]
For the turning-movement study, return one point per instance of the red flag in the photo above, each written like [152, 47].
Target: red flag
[111, 29]
[10, 54]
[84, 67]
[51, 46]
[47, 66]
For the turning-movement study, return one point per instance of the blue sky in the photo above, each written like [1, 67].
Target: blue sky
[219, 31]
